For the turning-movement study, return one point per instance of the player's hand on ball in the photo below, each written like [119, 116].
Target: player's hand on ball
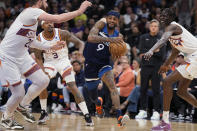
[148, 55]
[117, 40]
[163, 69]
[59, 45]
[84, 6]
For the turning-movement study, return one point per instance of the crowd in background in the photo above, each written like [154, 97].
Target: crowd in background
[138, 88]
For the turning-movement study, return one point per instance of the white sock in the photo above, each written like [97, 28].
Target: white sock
[7, 115]
[43, 104]
[83, 107]
[166, 116]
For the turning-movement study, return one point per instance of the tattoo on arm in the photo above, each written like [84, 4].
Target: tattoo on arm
[94, 37]
[108, 79]
[171, 29]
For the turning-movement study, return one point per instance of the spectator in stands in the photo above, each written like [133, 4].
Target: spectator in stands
[78, 29]
[149, 70]
[80, 81]
[185, 10]
[132, 100]
[127, 79]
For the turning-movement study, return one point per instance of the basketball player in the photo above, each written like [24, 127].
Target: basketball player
[58, 61]
[181, 41]
[16, 61]
[97, 61]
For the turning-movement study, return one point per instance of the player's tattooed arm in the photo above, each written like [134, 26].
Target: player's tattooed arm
[67, 36]
[93, 37]
[171, 29]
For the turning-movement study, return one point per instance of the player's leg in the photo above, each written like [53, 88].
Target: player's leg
[183, 92]
[108, 79]
[68, 75]
[39, 82]
[10, 77]
[51, 72]
[167, 97]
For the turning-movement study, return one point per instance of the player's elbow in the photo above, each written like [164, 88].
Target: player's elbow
[90, 38]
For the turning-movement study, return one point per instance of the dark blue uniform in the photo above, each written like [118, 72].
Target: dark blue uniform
[97, 56]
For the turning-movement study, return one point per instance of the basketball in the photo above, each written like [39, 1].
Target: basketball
[117, 50]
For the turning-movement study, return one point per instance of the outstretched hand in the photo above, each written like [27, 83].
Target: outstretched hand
[84, 6]
[59, 45]
[148, 55]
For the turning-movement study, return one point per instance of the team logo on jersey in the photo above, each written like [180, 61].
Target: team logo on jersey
[176, 42]
[26, 33]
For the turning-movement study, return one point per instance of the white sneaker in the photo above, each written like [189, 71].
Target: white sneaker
[141, 115]
[59, 108]
[155, 116]
[54, 105]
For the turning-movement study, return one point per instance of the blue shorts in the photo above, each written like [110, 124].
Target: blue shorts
[95, 71]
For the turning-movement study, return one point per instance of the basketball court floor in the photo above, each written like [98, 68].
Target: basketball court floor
[74, 122]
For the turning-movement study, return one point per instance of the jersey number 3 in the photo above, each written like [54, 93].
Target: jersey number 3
[55, 55]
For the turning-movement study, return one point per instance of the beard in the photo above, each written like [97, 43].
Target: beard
[111, 27]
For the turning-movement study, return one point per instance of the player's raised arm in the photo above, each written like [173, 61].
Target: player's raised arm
[67, 36]
[93, 37]
[65, 16]
[170, 30]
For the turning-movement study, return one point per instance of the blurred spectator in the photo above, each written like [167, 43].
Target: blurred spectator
[82, 17]
[127, 79]
[78, 29]
[133, 40]
[149, 70]
[132, 100]
[185, 10]
[2, 29]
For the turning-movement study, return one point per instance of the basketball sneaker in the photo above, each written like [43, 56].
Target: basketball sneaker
[43, 117]
[155, 116]
[26, 114]
[89, 121]
[141, 115]
[99, 108]
[162, 127]
[122, 120]
[10, 123]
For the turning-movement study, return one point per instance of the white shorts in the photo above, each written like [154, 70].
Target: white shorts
[11, 72]
[63, 66]
[189, 70]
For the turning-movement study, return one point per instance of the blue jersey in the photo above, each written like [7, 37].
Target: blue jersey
[98, 53]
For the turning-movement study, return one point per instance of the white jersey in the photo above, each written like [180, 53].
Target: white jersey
[185, 42]
[20, 35]
[53, 55]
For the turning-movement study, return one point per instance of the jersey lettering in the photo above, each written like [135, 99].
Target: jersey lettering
[176, 42]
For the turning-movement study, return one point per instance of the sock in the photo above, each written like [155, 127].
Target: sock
[166, 116]
[119, 113]
[83, 108]
[43, 104]
[6, 115]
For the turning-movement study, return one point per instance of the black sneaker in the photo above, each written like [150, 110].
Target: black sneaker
[26, 114]
[43, 117]
[10, 123]
[88, 120]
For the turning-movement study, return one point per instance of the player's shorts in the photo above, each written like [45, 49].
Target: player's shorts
[189, 70]
[11, 72]
[95, 71]
[63, 66]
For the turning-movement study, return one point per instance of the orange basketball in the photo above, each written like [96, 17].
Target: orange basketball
[117, 50]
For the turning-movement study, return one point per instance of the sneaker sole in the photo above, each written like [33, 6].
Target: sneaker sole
[15, 128]
[43, 121]
[125, 119]
[28, 120]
